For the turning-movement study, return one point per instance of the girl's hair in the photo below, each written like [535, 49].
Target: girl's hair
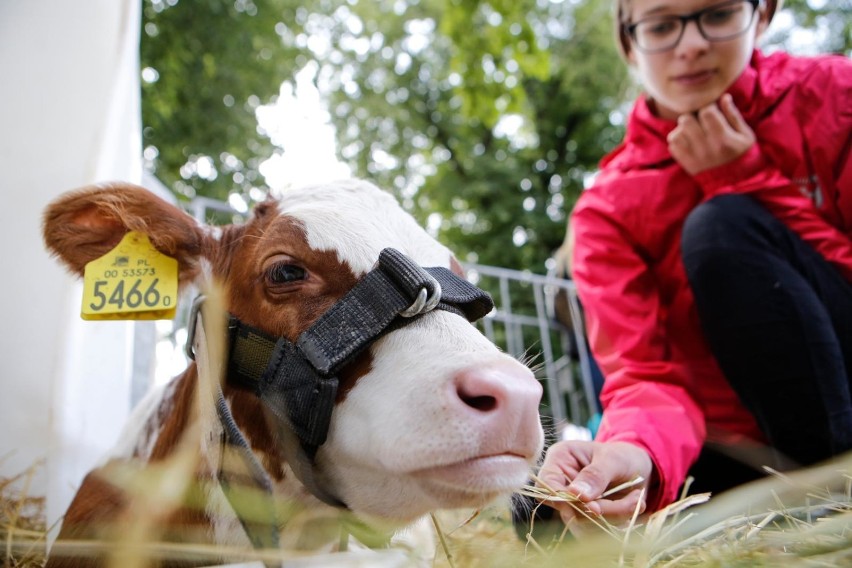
[621, 18]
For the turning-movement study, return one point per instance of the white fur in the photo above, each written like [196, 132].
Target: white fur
[356, 220]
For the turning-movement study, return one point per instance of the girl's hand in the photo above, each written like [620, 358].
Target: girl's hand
[587, 470]
[715, 135]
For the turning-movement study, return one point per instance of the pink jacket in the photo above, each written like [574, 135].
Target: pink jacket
[663, 389]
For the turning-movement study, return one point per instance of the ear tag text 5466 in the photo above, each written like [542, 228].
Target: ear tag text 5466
[133, 281]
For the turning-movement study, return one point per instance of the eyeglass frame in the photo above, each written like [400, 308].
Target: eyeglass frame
[685, 19]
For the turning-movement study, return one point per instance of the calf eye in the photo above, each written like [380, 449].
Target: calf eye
[285, 273]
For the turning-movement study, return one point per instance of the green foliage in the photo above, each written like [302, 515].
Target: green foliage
[493, 129]
[493, 60]
[214, 63]
[486, 117]
[830, 22]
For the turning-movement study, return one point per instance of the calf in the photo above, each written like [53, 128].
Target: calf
[354, 382]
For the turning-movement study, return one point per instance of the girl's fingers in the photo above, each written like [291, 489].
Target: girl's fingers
[690, 127]
[679, 147]
[689, 135]
[562, 463]
[608, 511]
[624, 507]
[677, 137]
[716, 125]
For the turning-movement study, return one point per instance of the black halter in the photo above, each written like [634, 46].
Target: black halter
[297, 381]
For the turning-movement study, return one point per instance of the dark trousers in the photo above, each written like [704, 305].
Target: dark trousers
[778, 318]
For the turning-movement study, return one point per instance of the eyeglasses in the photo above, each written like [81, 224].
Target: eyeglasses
[715, 23]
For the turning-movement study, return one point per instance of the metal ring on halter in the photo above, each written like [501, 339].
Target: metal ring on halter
[433, 299]
[415, 307]
[423, 303]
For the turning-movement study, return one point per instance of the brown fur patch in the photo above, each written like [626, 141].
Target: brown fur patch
[174, 414]
[352, 372]
[282, 311]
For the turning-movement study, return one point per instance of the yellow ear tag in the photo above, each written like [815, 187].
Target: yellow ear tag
[133, 281]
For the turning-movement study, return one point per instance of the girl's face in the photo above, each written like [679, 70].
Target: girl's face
[695, 72]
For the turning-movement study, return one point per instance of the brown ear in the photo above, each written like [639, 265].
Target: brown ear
[85, 224]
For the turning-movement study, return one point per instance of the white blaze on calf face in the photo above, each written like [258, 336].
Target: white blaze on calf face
[356, 225]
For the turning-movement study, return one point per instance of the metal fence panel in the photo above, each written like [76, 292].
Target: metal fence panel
[524, 324]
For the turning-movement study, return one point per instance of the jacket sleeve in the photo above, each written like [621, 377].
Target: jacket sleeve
[825, 105]
[819, 118]
[647, 396]
[753, 174]
[826, 100]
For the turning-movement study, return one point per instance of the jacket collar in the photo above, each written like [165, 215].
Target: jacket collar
[645, 140]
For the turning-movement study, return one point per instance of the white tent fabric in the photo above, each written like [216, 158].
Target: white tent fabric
[70, 115]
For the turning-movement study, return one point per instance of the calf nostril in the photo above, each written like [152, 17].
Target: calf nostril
[480, 390]
[481, 403]
[496, 390]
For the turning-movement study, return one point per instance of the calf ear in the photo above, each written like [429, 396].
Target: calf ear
[456, 267]
[87, 223]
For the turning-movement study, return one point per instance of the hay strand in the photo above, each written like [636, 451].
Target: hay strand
[22, 521]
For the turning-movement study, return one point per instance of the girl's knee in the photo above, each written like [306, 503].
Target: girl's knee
[719, 222]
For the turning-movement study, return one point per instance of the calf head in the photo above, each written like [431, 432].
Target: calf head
[429, 415]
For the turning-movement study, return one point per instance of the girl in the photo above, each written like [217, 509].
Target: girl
[713, 258]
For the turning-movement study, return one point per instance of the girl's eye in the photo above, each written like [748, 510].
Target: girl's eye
[285, 274]
[661, 27]
[717, 17]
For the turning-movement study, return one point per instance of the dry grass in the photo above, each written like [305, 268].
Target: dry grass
[803, 519]
[22, 526]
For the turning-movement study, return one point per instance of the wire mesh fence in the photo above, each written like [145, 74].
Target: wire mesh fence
[538, 319]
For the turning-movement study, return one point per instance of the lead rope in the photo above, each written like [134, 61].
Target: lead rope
[239, 473]
[238, 467]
